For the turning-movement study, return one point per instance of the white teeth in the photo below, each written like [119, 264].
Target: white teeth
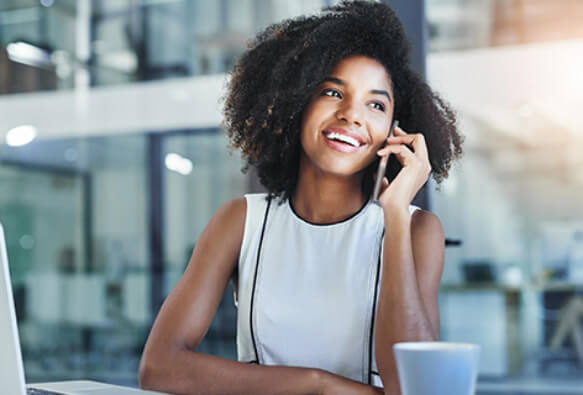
[343, 138]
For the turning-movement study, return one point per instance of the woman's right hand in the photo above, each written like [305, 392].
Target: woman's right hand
[338, 385]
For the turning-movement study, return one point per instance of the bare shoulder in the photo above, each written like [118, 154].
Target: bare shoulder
[232, 211]
[228, 222]
[426, 225]
[428, 241]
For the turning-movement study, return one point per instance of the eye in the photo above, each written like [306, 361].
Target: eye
[378, 105]
[331, 93]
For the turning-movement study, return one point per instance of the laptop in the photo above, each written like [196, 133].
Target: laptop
[11, 366]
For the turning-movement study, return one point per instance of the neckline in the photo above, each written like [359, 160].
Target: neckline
[298, 217]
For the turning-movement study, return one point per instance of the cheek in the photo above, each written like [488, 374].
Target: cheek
[312, 119]
[307, 115]
[381, 127]
[381, 131]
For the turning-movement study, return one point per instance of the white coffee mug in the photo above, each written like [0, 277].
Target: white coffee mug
[437, 368]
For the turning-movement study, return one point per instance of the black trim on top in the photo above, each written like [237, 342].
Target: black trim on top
[255, 280]
[291, 206]
[374, 309]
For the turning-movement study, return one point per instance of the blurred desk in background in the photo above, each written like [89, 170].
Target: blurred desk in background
[465, 309]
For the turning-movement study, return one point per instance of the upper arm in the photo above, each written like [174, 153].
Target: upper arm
[428, 242]
[189, 309]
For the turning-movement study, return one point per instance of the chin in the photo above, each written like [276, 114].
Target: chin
[341, 168]
[335, 164]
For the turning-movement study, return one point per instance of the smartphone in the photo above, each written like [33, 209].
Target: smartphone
[383, 164]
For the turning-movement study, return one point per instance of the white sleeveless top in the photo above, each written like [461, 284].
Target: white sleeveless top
[307, 293]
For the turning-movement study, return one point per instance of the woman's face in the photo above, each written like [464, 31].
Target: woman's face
[348, 117]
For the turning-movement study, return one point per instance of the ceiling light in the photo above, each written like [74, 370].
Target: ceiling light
[31, 55]
[178, 164]
[20, 135]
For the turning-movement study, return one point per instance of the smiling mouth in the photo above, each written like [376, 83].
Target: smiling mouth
[342, 138]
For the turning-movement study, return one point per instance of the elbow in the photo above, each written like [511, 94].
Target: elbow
[145, 374]
[149, 373]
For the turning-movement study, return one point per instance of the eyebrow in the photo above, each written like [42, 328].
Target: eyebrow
[374, 91]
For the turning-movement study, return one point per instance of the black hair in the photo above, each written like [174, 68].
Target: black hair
[271, 85]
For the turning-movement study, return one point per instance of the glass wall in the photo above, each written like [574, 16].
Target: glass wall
[200, 175]
[75, 216]
[123, 41]
[510, 69]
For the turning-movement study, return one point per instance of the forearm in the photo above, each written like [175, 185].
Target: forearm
[188, 372]
[401, 315]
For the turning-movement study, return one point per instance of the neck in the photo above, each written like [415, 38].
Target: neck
[324, 198]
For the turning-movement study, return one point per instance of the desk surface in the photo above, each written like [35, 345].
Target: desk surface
[526, 386]
[533, 385]
[79, 387]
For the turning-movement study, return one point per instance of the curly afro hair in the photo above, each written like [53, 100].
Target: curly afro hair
[271, 84]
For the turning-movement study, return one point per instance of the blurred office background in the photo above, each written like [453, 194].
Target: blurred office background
[112, 161]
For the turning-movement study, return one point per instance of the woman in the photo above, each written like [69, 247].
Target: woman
[326, 279]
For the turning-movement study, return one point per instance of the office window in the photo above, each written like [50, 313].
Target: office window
[509, 69]
[74, 212]
[201, 174]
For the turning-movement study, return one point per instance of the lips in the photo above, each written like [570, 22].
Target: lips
[343, 140]
[344, 136]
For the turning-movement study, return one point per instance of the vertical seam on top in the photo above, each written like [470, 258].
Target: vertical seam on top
[374, 306]
[253, 290]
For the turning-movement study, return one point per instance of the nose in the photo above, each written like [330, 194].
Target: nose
[349, 113]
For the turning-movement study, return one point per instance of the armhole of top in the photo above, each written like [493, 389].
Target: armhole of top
[246, 226]
[256, 203]
[247, 230]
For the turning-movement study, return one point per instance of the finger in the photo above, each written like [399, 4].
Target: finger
[420, 146]
[400, 137]
[403, 153]
[407, 139]
[393, 148]
[416, 140]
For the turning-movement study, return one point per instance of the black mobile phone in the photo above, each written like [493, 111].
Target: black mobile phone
[383, 164]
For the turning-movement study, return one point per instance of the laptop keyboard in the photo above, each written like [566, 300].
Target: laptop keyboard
[34, 391]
